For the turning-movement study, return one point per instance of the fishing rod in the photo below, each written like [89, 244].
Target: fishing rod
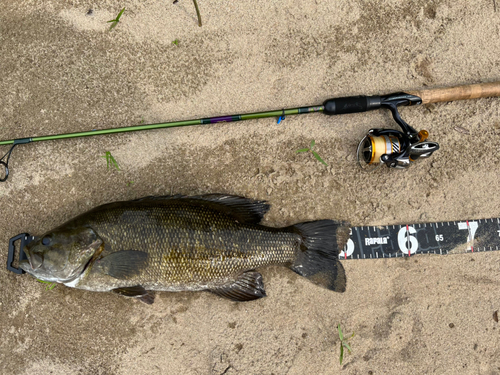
[390, 147]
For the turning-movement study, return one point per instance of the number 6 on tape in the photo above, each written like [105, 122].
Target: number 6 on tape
[404, 236]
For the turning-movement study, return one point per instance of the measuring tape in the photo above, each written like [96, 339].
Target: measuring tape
[390, 241]
[449, 237]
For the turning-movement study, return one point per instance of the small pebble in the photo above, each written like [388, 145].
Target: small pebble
[495, 316]
[461, 130]
[451, 325]
[430, 107]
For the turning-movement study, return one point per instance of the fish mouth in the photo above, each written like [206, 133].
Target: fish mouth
[35, 260]
[25, 265]
[27, 253]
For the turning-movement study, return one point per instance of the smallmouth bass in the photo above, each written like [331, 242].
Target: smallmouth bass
[181, 243]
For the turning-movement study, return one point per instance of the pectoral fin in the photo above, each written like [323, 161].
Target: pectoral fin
[247, 287]
[138, 292]
[123, 264]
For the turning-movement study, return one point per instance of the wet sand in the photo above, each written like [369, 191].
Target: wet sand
[62, 70]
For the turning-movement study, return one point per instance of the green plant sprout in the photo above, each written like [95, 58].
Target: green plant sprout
[50, 285]
[197, 11]
[343, 343]
[310, 149]
[110, 160]
[130, 183]
[175, 42]
[117, 19]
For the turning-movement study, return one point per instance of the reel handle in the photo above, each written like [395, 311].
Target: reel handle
[423, 149]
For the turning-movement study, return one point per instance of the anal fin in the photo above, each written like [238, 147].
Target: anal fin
[138, 292]
[247, 287]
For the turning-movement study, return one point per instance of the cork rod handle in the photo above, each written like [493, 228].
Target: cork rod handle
[480, 90]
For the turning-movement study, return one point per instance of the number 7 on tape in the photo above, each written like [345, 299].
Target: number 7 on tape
[471, 227]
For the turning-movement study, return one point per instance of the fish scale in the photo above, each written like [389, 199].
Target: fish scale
[180, 253]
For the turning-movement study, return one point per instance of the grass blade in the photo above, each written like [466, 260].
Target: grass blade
[341, 353]
[302, 150]
[347, 347]
[117, 19]
[114, 161]
[318, 157]
[110, 160]
[51, 285]
[340, 333]
[120, 14]
[313, 142]
[197, 12]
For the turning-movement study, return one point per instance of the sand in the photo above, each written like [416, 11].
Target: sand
[62, 70]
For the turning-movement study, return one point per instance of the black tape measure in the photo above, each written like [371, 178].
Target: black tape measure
[449, 237]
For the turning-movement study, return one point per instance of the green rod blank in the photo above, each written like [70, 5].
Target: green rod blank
[205, 121]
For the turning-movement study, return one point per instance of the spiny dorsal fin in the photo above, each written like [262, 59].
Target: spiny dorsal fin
[122, 264]
[159, 197]
[138, 292]
[245, 210]
[247, 287]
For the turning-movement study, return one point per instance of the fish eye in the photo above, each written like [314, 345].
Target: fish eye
[46, 241]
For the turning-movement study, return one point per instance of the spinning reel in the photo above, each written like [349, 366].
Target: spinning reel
[394, 148]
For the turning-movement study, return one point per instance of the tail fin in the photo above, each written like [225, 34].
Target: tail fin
[318, 258]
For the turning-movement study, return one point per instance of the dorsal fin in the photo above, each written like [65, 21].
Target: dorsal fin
[159, 197]
[245, 210]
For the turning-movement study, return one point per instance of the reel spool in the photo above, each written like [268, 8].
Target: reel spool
[394, 148]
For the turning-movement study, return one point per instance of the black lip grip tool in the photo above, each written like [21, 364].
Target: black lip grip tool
[25, 239]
